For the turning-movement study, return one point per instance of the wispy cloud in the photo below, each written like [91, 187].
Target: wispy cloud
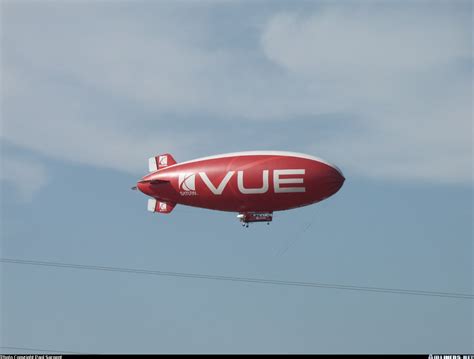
[405, 70]
[26, 176]
[101, 85]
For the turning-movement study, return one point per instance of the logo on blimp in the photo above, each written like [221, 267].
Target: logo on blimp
[163, 160]
[187, 184]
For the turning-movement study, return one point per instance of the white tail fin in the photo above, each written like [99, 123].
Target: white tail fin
[152, 204]
[160, 161]
[160, 206]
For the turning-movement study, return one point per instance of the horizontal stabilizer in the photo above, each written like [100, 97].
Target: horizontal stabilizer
[160, 161]
[155, 205]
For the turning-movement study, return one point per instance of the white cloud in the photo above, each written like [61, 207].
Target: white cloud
[338, 40]
[53, 123]
[25, 175]
[151, 63]
[398, 69]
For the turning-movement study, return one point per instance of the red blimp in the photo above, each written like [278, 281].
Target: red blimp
[254, 184]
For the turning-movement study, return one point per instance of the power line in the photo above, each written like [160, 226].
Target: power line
[36, 350]
[239, 279]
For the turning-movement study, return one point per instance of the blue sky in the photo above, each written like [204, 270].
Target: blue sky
[90, 90]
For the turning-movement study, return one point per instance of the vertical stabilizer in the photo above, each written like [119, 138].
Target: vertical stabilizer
[161, 161]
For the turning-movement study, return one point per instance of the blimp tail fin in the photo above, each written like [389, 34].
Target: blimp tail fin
[155, 205]
[161, 161]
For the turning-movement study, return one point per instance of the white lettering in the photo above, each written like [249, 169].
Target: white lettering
[242, 189]
[277, 181]
[221, 186]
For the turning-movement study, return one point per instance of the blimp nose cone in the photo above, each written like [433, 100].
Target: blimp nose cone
[334, 181]
[341, 181]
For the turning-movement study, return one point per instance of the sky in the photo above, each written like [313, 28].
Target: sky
[91, 89]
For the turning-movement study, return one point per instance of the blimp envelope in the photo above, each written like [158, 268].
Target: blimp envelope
[249, 183]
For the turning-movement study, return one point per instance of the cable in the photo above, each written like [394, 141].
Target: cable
[293, 241]
[239, 279]
[295, 238]
[36, 350]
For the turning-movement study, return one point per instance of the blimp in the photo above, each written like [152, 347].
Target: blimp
[253, 184]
